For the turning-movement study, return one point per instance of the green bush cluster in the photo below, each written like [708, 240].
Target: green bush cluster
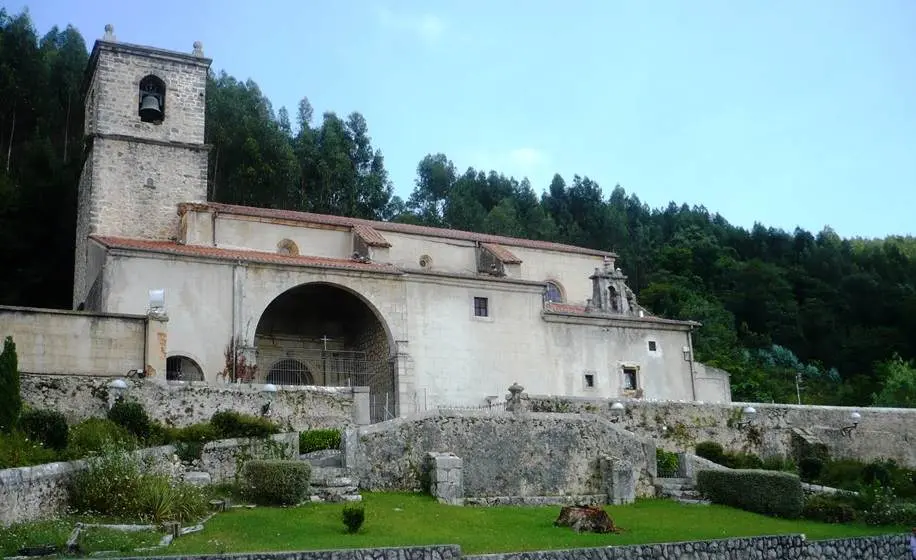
[829, 509]
[316, 440]
[230, 424]
[666, 463]
[47, 427]
[353, 517]
[10, 396]
[94, 435]
[716, 453]
[778, 494]
[132, 417]
[276, 482]
[114, 484]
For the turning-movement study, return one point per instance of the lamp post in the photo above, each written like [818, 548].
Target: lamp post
[116, 391]
[617, 410]
[855, 417]
[270, 391]
[747, 416]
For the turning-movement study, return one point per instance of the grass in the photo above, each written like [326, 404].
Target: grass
[56, 533]
[403, 519]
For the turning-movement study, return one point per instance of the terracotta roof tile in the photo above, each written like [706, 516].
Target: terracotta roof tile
[501, 253]
[326, 219]
[569, 308]
[581, 310]
[370, 236]
[172, 248]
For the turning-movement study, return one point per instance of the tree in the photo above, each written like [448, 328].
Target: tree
[10, 396]
[898, 383]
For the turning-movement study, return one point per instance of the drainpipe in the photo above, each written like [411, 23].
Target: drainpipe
[693, 381]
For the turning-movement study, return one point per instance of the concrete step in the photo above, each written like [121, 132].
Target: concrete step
[675, 483]
[701, 502]
[323, 458]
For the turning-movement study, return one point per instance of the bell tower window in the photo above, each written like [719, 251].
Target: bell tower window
[152, 99]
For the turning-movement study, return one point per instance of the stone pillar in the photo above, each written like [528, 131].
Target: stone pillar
[405, 381]
[618, 480]
[685, 466]
[349, 448]
[157, 334]
[446, 482]
[361, 412]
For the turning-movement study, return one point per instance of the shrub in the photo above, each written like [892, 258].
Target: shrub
[46, 426]
[844, 473]
[276, 482]
[316, 440]
[10, 395]
[666, 463]
[133, 417]
[162, 499]
[741, 461]
[779, 463]
[96, 434]
[353, 517]
[17, 450]
[710, 450]
[231, 424]
[829, 509]
[769, 492]
[196, 433]
[810, 469]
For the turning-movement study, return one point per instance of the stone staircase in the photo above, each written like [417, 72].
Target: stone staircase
[331, 482]
[679, 489]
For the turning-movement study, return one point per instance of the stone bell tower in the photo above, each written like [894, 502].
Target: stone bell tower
[144, 148]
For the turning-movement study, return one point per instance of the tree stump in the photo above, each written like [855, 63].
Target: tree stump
[592, 519]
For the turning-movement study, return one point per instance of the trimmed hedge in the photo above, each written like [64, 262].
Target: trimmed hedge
[231, 424]
[316, 440]
[276, 482]
[829, 509]
[768, 492]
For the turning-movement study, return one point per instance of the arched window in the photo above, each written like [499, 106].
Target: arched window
[182, 368]
[553, 292]
[288, 247]
[151, 106]
[289, 371]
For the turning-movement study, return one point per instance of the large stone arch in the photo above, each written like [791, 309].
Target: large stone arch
[327, 334]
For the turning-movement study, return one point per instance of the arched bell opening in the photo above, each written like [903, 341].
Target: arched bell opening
[325, 334]
[152, 99]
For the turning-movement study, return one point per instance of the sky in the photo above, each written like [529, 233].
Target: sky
[775, 111]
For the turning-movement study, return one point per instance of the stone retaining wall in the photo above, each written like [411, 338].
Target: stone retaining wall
[180, 404]
[882, 433]
[889, 547]
[40, 491]
[504, 454]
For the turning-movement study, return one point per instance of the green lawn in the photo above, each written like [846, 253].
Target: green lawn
[402, 519]
[56, 533]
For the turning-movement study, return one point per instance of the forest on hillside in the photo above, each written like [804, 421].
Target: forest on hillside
[837, 315]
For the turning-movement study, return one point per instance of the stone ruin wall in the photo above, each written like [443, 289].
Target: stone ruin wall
[180, 404]
[882, 433]
[514, 455]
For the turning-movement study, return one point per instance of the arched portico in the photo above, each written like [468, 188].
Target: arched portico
[321, 333]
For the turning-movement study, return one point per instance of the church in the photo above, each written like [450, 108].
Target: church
[424, 317]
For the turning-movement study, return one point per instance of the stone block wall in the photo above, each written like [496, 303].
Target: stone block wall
[40, 491]
[505, 455]
[445, 477]
[181, 404]
[223, 459]
[890, 547]
[882, 433]
[53, 341]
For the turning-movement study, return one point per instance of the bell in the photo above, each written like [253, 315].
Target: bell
[149, 108]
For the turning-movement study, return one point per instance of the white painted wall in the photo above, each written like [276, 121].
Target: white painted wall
[198, 299]
[238, 233]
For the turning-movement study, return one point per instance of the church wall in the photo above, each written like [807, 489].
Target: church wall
[72, 342]
[84, 202]
[571, 270]
[261, 236]
[198, 301]
[137, 186]
[448, 255]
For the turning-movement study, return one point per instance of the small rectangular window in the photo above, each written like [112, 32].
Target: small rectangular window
[652, 346]
[629, 378]
[589, 380]
[481, 308]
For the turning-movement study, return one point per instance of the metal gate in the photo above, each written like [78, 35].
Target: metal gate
[339, 368]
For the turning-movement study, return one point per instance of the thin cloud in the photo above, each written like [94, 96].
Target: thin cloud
[428, 27]
[526, 157]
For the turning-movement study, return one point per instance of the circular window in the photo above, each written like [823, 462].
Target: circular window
[287, 247]
[426, 261]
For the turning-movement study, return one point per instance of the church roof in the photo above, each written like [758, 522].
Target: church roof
[327, 219]
[582, 311]
[173, 248]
